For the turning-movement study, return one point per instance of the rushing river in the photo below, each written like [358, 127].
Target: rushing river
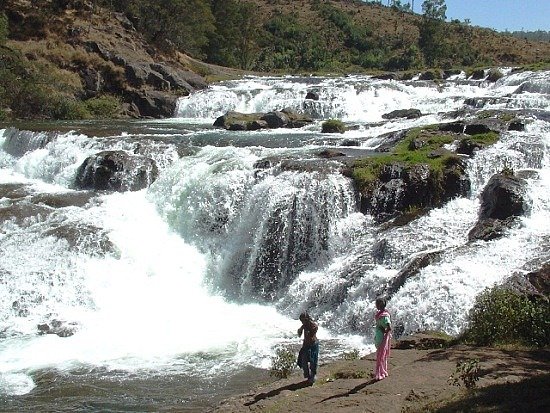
[173, 297]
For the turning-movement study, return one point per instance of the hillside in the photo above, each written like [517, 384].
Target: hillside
[72, 59]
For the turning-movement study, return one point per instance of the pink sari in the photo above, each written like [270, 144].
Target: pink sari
[382, 351]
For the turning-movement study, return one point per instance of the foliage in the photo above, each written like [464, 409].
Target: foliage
[103, 107]
[282, 363]
[503, 316]
[234, 42]
[466, 373]
[333, 126]
[3, 28]
[181, 24]
[434, 9]
[351, 355]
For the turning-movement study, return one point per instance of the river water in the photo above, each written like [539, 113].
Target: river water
[177, 295]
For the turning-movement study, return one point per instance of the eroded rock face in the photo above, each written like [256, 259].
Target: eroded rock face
[116, 171]
[400, 188]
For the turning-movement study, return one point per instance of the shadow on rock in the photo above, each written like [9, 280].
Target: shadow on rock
[275, 392]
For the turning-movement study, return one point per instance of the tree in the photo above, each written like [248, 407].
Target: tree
[235, 40]
[181, 24]
[432, 39]
[434, 9]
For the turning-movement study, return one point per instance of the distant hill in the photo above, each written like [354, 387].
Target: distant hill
[103, 58]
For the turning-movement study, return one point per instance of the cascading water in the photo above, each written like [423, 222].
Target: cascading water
[198, 277]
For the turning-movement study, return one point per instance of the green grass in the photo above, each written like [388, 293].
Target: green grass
[421, 146]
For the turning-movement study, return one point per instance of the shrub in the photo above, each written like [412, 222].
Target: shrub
[351, 355]
[282, 363]
[69, 109]
[103, 107]
[3, 28]
[503, 316]
[467, 372]
[333, 126]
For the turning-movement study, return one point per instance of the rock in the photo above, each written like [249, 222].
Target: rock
[286, 118]
[403, 113]
[57, 327]
[516, 125]
[468, 146]
[478, 74]
[503, 197]
[154, 104]
[540, 279]
[311, 95]
[329, 153]
[400, 188]
[502, 200]
[116, 171]
[350, 142]
[489, 229]
[276, 119]
[431, 75]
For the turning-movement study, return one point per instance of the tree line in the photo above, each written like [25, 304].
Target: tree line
[232, 33]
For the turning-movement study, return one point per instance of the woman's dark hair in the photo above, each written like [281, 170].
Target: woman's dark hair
[305, 317]
[381, 303]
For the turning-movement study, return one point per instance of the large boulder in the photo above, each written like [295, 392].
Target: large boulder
[116, 171]
[502, 200]
[503, 197]
[286, 118]
[403, 113]
[400, 188]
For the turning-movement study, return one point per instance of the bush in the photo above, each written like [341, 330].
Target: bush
[282, 363]
[333, 126]
[103, 107]
[467, 372]
[503, 316]
[69, 109]
[3, 28]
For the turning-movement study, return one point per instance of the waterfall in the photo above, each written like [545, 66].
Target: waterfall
[204, 272]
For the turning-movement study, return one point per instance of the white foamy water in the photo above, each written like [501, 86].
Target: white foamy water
[205, 271]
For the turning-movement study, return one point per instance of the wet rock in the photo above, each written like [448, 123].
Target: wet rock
[489, 229]
[411, 269]
[311, 95]
[116, 171]
[516, 125]
[540, 279]
[503, 197]
[84, 238]
[57, 327]
[285, 118]
[403, 113]
[330, 153]
[350, 142]
[502, 201]
[18, 142]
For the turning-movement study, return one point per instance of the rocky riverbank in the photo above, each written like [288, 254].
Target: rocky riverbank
[509, 381]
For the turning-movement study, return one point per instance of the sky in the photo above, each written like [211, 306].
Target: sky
[511, 15]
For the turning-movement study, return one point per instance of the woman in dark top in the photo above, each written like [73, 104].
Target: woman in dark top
[309, 353]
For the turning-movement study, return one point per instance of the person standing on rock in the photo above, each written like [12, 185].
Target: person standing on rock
[309, 353]
[382, 339]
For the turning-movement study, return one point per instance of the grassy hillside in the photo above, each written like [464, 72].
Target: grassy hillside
[96, 58]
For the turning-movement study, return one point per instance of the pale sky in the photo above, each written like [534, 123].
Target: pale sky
[512, 15]
[528, 15]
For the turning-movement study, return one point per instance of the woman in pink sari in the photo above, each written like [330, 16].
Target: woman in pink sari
[382, 339]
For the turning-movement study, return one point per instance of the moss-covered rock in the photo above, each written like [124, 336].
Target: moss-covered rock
[333, 126]
[422, 171]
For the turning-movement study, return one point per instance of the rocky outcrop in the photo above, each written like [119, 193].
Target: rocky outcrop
[286, 118]
[502, 200]
[402, 187]
[116, 171]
